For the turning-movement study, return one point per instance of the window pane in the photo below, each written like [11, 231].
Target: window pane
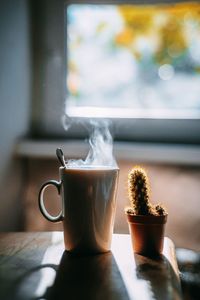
[134, 60]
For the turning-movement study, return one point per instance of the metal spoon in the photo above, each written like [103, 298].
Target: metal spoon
[60, 156]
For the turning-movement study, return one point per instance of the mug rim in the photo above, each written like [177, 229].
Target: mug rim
[99, 168]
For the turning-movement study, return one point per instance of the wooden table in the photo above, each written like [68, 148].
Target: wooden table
[35, 266]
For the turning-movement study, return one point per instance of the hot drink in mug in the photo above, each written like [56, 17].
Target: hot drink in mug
[88, 207]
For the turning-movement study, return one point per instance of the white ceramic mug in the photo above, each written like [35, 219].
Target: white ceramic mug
[88, 207]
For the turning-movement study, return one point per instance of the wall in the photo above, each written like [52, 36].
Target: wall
[14, 105]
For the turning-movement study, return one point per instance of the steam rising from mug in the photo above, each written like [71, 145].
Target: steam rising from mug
[101, 147]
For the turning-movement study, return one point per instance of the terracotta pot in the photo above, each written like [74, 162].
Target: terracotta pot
[147, 233]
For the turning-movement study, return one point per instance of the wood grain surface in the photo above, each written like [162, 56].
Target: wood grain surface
[35, 266]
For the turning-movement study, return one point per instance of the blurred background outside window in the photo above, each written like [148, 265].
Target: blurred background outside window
[133, 60]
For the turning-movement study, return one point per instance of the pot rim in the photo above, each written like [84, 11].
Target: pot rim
[146, 219]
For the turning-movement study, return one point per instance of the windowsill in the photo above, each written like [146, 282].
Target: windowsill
[138, 152]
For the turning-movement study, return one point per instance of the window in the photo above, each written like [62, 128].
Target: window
[149, 79]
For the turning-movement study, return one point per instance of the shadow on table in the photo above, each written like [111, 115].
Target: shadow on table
[163, 282]
[76, 277]
[20, 269]
[87, 277]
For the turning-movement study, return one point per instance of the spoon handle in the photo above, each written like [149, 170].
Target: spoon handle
[60, 156]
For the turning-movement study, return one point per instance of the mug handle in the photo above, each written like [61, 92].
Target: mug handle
[42, 208]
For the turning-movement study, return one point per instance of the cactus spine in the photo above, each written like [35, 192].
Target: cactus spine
[139, 194]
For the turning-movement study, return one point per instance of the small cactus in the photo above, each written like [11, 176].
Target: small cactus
[139, 194]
